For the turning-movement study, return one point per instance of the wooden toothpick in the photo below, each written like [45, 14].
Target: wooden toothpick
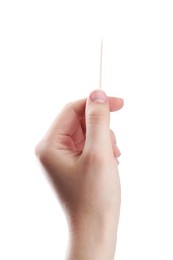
[101, 51]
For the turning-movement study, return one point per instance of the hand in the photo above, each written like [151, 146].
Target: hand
[79, 155]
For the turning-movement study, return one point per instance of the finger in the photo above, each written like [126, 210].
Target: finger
[115, 148]
[97, 116]
[68, 120]
[115, 103]
[117, 161]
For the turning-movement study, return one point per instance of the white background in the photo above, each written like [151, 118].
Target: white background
[49, 55]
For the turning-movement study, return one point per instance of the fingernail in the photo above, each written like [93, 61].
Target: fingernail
[98, 96]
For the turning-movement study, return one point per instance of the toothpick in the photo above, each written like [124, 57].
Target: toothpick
[101, 51]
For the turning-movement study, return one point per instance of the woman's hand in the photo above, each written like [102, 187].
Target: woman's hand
[79, 155]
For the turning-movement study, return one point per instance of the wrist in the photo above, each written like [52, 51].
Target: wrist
[92, 238]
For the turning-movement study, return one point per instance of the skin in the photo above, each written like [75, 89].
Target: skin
[79, 154]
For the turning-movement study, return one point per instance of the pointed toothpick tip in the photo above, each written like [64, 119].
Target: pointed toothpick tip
[101, 53]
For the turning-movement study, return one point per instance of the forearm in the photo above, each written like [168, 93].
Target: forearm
[94, 240]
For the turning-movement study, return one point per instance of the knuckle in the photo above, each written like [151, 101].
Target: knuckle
[96, 118]
[41, 151]
[68, 106]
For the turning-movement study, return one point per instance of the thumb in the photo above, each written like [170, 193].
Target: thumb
[97, 115]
